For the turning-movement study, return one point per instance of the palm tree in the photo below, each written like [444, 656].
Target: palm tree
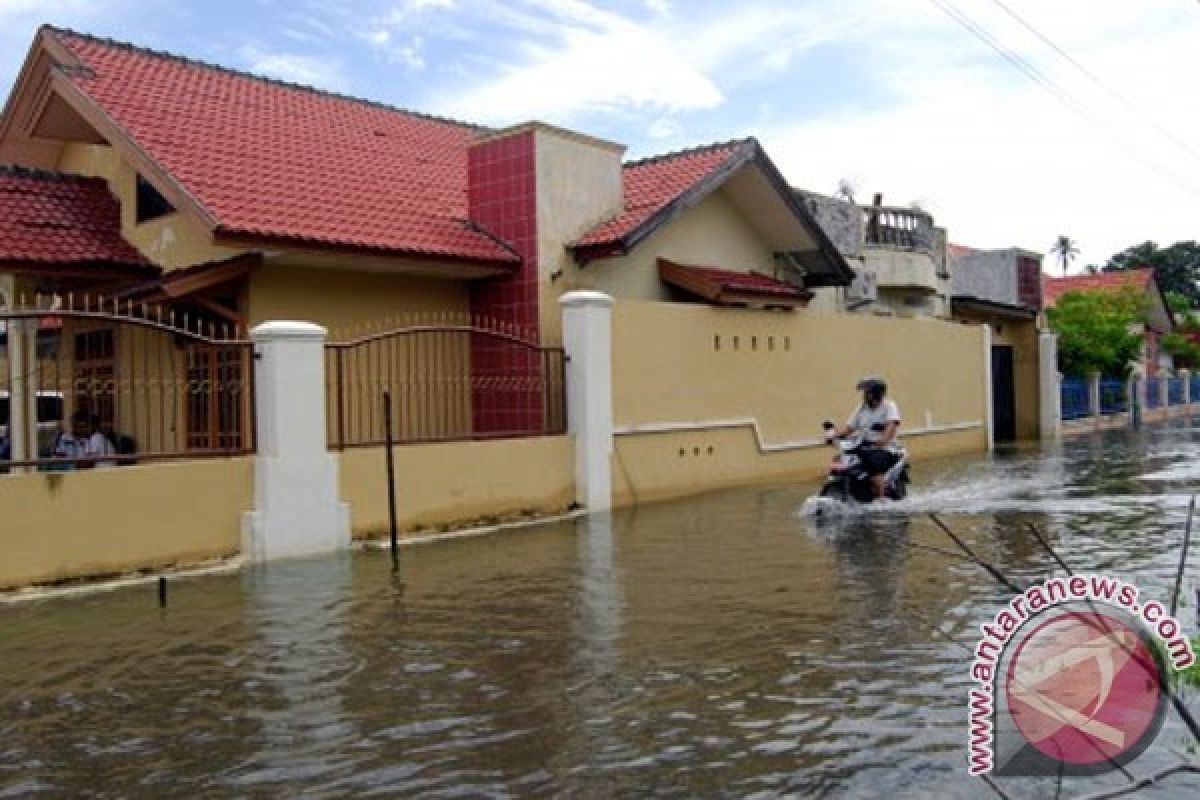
[1066, 249]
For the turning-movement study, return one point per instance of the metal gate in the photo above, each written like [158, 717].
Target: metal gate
[155, 385]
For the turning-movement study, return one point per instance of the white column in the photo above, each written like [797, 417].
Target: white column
[297, 511]
[988, 400]
[1094, 397]
[1142, 394]
[587, 339]
[22, 376]
[1049, 387]
[1164, 385]
[1131, 398]
[1186, 376]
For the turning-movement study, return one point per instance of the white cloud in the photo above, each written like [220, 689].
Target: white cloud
[999, 159]
[14, 7]
[665, 128]
[575, 57]
[295, 68]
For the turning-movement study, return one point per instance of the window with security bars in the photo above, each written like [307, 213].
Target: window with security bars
[216, 398]
[95, 375]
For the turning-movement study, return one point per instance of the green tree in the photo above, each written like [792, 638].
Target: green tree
[1096, 331]
[1066, 249]
[1185, 352]
[1177, 267]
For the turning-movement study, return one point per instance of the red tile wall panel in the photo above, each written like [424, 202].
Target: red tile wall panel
[502, 196]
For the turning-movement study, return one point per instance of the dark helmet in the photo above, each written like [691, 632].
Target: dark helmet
[873, 384]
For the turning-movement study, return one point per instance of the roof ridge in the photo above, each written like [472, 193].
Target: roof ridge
[195, 62]
[34, 173]
[690, 151]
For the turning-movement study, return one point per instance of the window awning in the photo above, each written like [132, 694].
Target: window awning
[728, 288]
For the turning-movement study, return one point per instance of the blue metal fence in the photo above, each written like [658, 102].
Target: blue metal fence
[1195, 389]
[1175, 391]
[1114, 396]
[1076, 398]
[1153, 398]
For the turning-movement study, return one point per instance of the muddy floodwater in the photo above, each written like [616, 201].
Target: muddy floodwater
[719, 646]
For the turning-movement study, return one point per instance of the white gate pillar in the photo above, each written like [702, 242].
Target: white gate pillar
[297, 510]
[1094, 398]
[989, 408]
[587, 340]
[22, 374]
[1049, 387]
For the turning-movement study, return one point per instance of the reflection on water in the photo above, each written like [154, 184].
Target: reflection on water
[715, 646]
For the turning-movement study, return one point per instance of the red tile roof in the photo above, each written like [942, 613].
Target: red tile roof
[726, 287]
[1054, 288]
[47, 218]
[654, 183]
[276, 161]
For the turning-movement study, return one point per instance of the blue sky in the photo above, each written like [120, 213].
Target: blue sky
[891, 95]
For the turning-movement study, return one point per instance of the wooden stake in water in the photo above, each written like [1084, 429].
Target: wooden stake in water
[1183, 555]
[391, 476]
[162, 592]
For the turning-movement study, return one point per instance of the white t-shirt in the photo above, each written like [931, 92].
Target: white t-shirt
[865, 418]
[99, 445]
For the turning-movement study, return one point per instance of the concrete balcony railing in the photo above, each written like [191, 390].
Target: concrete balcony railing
[899, 228]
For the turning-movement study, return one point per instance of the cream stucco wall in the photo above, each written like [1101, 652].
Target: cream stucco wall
[579, 184]
[711, 234]
[458, 482]
[350, 303]
[1022, 336]
[172, 241]
[88, 523]
[707, 397]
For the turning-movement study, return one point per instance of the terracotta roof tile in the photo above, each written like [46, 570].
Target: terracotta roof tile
[1054, 288]
[718, 285]
[275, 160]
[652, 184]
[50, 218]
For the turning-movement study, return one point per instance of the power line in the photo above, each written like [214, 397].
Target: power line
[1036, 75]
[1095, 79]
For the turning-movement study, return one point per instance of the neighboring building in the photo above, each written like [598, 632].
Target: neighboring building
[1158, 317]
[898, 255]
[1002, 288]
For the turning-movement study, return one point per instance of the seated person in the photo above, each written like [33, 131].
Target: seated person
[72, 444]
[100, 443]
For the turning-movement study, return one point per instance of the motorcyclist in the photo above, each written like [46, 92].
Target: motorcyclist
[877, 420]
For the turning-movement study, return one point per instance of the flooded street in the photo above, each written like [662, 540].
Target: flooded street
[720, 646]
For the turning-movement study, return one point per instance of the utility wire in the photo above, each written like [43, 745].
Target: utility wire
[1095, 79]
[1037, 76]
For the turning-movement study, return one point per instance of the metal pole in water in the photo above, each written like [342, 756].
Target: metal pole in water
[391, 476]
[162, 592]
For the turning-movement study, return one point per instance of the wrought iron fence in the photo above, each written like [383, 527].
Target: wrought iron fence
[1175, 391]
[88, 382]
[1076, 398]
[447, 382]
[1114, 396]
[1153, 393]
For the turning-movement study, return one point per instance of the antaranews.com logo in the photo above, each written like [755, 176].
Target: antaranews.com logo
[1070, 679]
